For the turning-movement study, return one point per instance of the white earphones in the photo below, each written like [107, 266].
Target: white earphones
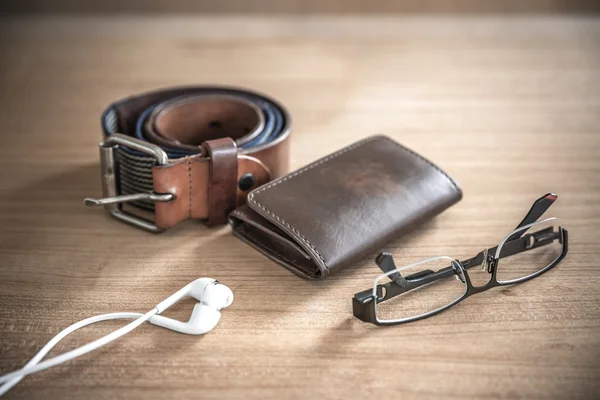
[211, 295]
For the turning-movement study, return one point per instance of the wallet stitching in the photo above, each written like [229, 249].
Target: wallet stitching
[248, 217]
[251, 196]
[270, 250]
[263, 246]
[308, 167]
[189, 174]
[417, 155]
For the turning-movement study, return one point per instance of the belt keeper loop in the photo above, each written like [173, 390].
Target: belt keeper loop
[223, 176]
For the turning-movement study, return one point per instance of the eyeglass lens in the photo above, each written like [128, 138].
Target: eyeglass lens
[425, 298]
[543, 246]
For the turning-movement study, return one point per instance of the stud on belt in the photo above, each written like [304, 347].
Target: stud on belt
[189, 153]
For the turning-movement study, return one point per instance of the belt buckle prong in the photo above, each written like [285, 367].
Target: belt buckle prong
[111, 199]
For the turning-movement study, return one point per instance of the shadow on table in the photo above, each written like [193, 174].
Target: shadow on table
[73, 248]
[61, 268]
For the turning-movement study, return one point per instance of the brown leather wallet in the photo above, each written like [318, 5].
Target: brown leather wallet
[326, 215]
[189, 153]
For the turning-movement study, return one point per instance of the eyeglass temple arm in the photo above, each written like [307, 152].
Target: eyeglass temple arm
[538, 208]
[393, 289]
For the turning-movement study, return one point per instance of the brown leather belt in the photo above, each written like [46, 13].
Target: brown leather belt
[189, 153]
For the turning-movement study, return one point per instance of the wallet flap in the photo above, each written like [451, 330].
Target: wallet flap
[349, 203]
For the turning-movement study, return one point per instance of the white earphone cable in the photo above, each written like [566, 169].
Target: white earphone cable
[60, 336]
[27, 370]
[219, 296]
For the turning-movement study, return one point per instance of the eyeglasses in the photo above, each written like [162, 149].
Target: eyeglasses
[428, 287]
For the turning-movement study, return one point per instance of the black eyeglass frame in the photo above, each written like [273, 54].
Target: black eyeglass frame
[364, 303]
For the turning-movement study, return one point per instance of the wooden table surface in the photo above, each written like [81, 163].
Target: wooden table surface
[509, 107]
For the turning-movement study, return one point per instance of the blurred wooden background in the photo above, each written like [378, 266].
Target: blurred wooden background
[301, 6]
[510, 107]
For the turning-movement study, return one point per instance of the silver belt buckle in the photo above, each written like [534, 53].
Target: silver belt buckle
[111, 199]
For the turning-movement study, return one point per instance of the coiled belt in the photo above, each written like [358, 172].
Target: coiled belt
[189, 153]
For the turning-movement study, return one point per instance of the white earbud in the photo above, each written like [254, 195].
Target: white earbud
[212, 297]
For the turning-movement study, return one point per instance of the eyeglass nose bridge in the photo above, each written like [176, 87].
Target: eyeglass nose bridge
[489, 265]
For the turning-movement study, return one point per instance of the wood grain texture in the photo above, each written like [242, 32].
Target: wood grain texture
[510, 108]
[258, 7]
